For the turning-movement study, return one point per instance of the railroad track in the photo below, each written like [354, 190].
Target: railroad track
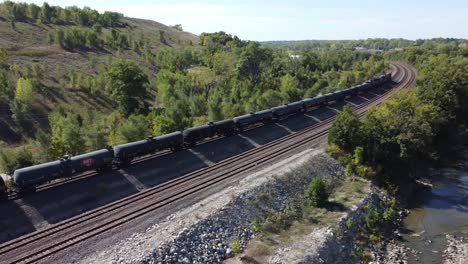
[38, 245]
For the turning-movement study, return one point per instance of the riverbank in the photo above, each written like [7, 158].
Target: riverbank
[457, 250]
[436, 229]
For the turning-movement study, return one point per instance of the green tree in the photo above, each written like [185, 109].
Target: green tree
[33, 11]
[134, 128]
[177, 27]
[4, 84]
[59, 37]
[289, 88]
[401, 133]
[358, 155]
[163, 125]
[252, 59]
[12, 160]
[345, 131]
[92, 39]
[46, 13]
[316, 193]
[24, 91]
[126, 83]
[268, 99]
[162, 37]
[67, 135]
[215, 111]
[288, 82]
[3, 56]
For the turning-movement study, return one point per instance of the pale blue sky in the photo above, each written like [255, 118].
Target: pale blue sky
[299, 19]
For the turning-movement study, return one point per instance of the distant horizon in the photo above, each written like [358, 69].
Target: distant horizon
[298, 40]
[298, 20]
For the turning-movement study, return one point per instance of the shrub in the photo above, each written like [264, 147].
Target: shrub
[349, 223]
[334, 151]
[374, 238]
[358, 155]
[277, 222]
[345, 159]
[316, 193]
[12, 160]
[258, 249]
[389, 212]
[256, 226]
[388, 215]
[372, 216]
[362, 171]
[236, 245]
[349, 170]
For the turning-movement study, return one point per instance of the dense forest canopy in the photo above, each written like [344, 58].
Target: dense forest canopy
[399, 140]
[380, 44]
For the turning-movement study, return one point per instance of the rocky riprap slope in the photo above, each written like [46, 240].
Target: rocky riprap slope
[339, 245]
[457, 250]
[209, 240]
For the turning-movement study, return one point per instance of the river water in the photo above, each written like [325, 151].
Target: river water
[438, 211]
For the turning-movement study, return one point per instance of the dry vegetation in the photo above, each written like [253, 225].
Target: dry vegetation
[343, 197]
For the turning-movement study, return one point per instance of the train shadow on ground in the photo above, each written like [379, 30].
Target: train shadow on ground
[266, 134]
[57, 204]
[338, 107]
[164, 168]
[369, 96]
[322, 113]
[14, 221]
[298, 122]
[379, 91]
[356, 100]
[224, 148]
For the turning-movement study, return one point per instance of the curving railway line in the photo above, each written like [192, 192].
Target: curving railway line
[38, 245]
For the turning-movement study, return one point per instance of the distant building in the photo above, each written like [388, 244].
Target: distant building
[366, 50]
[294, 56]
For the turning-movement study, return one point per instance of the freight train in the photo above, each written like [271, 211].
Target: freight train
[27, 179]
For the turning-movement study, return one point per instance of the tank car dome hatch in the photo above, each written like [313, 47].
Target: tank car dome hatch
[4, 177]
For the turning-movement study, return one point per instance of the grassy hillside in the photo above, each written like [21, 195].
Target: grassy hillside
[27, 44]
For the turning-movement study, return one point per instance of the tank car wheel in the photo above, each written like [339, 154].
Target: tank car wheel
[177, 148]
[22, 192]
[123, 163]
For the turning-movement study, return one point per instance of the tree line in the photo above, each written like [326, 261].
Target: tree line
[381, 44]
[47, 14]
[399, 140]
[75, 38]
